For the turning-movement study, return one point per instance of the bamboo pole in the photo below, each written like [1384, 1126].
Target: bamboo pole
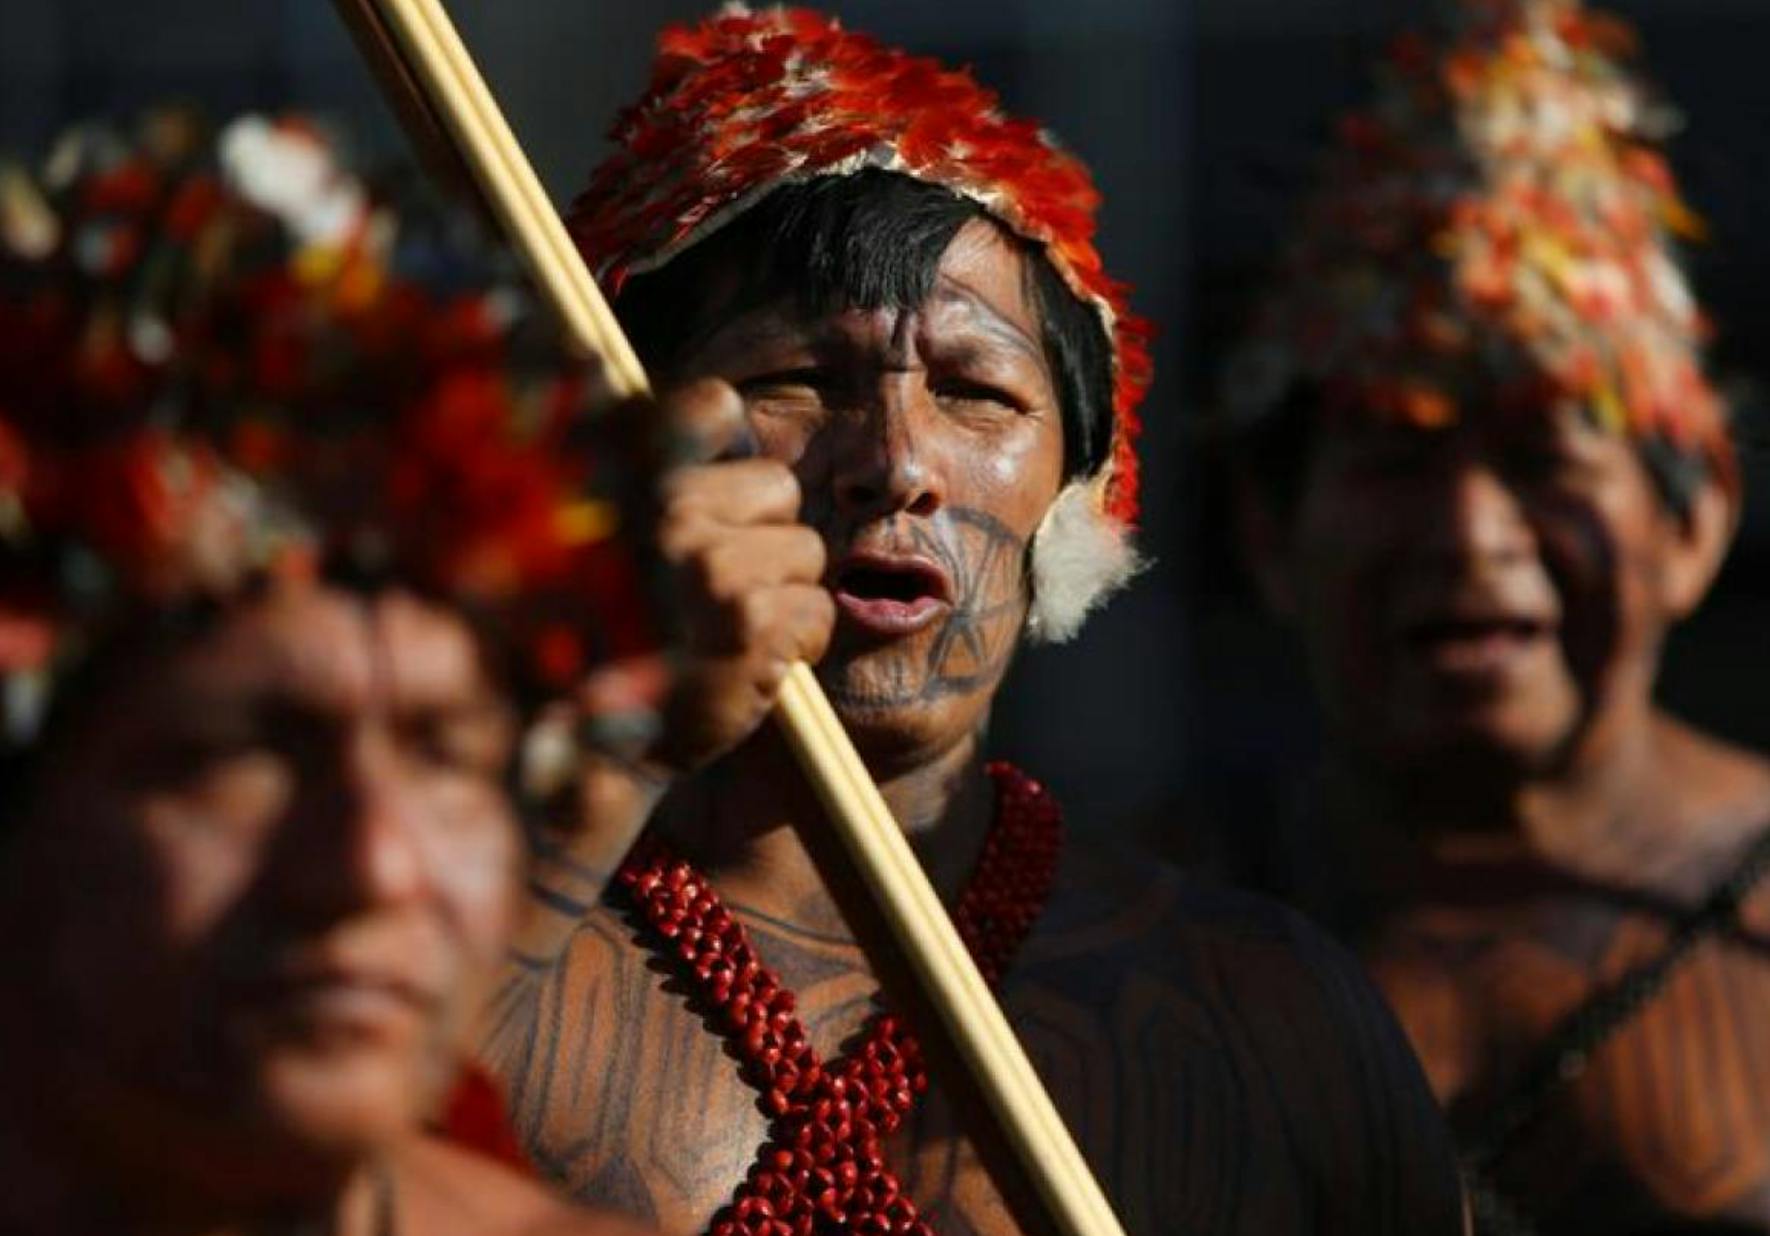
[415, 46]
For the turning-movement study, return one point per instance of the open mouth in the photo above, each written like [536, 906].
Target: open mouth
[890, 596]
[1454, 629]
[1476, 644]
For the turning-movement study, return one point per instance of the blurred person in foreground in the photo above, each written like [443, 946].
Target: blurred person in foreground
[887, 294]
[286, 539]
[1485, 476]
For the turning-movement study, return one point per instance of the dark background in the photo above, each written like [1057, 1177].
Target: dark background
[1200, 119]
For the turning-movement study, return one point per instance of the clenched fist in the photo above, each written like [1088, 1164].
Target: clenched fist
[746, 601]
[745, 574]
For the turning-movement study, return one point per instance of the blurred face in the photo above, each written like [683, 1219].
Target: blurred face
[1492, 595]
[929, 445]
[283, 859]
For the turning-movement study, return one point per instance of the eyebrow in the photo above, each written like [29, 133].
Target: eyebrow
[998, 324]
[778, 323]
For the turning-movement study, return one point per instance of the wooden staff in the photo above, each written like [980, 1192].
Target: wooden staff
[435, 87]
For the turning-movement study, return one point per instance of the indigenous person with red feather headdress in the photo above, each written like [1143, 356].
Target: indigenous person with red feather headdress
[883, 297]
[1486, 476]
[290, 519]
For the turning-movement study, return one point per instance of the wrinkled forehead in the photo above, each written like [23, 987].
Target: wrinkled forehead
[327, 651]
[360, 649]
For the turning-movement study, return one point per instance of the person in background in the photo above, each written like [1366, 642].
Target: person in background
[885, 293]
[1485, 474]
[286, 532]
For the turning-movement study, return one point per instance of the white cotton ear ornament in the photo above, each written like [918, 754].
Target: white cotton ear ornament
[1080, 556]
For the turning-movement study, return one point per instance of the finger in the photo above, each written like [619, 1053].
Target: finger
[807, 619]
[755, 491]
[800, 622]
[778, 623]
[783, 625]
[702, 421]
[754, 559]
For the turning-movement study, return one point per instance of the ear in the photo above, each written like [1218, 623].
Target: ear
[1698, 546]
[1265, 543]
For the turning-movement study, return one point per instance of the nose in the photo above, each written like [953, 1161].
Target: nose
[1476, 518]
[359, 843]
[881, 466]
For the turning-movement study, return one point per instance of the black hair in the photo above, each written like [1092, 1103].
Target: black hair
[868, 241]
[1274, 452]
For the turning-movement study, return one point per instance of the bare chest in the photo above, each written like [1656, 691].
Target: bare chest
[1671, 1113]
[632, 1095]
[649, 1103]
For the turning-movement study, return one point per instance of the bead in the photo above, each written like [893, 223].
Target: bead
[824, 1163]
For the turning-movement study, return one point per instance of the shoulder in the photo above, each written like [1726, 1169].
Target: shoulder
[1720, 789]
[449, 1189]
[1272, 1031]
[1721, 810]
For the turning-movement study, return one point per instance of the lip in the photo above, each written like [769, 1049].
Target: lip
[892, 616]
[325, 999]
[1476, 643]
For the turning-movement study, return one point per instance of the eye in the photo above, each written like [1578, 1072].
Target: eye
[199, 765]
[471, 745]
[970, 390]
[807, 379]
[202, 745]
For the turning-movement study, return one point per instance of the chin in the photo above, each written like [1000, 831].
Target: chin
[1490, 745]
[339, 1109]
[891, 724]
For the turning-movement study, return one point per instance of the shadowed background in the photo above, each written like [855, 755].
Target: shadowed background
[1200, 119]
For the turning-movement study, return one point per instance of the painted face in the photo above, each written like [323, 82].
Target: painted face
[1494, 591]
[928, 444]
[286, 861]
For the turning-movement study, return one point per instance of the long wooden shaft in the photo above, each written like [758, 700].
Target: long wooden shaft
[415, 43]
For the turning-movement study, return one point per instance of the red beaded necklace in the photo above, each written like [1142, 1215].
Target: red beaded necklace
[822, 1169]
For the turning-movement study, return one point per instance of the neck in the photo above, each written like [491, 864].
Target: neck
[741, 823]
[1575, 817]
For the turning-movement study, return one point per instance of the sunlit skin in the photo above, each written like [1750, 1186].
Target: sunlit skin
[932, 440]
[882, 476]
[265, 874]
[931, 443]
[1484, 609]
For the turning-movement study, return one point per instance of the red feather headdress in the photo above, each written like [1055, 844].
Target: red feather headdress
[222, 360]
[748, 101]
